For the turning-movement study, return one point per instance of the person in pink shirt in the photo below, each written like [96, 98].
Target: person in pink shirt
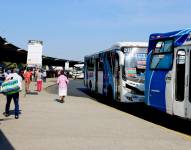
[62, 82]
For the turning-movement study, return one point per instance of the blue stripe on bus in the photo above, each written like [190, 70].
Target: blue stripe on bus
[155, 83]
[107, 75]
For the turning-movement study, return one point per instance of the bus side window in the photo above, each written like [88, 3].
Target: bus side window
[100, 62]
[180, 74]
[100, 66]
[90, 65]
[109, 59]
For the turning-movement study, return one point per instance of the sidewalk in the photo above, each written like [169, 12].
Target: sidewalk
[80, 124]
[30, 108]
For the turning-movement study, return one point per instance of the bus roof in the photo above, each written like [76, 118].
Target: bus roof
[129, 44]
[181, 37]
[119, 45]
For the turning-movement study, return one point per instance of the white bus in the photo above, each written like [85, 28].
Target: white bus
[118, 72]
[78, 71]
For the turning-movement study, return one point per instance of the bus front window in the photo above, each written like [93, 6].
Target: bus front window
[135, 64]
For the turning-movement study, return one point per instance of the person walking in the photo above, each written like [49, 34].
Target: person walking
[39, 80]
[15, 96]
[35, 74]
[62, 82]
[27, 76]
[44, 76]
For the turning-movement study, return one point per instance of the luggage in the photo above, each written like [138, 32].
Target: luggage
[10, 87]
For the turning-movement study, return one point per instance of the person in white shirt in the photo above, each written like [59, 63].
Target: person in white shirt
[5, 74]
[44, 75]
[13, 76]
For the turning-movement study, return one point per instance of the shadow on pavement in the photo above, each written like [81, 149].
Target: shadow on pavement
[5, 143]
[12, 112]
[32, 93]
[5, 119]
[58, 100]
[138, 109]
[147, 113]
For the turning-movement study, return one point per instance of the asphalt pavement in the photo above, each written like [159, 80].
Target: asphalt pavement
[88, 122]
[75, 88]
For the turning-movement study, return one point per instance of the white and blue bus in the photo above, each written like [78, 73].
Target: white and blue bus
[168, 73]
[118, 72]
[78, 71]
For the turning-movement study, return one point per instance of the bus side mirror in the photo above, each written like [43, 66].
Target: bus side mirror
[121, 58]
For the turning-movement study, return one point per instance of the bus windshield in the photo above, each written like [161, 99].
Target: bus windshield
[78, 68]
[135, 64]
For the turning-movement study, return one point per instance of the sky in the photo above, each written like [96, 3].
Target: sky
[71, 29]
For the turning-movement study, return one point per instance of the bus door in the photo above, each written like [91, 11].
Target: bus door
[117, 77]
[188, 102]
[181, 82]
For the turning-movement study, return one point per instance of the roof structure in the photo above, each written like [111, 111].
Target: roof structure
[119, 45]
[14, 54]
[11, 53]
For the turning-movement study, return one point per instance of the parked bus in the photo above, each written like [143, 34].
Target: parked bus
[78, 71]
[168, 73]
[118, 72]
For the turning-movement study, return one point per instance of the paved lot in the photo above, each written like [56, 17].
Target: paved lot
[82, 123]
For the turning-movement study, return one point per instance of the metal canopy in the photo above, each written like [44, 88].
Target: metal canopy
[14, 54]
